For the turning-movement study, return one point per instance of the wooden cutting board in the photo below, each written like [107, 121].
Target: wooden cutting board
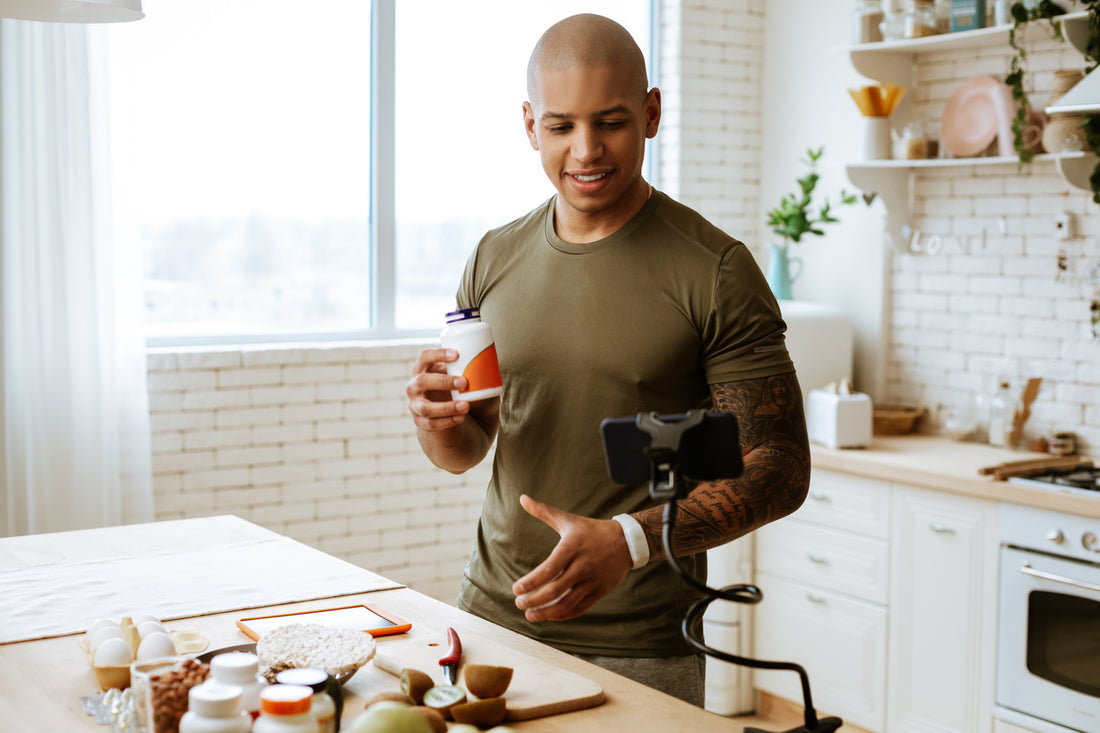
[538, 689]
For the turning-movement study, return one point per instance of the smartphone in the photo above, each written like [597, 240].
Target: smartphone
[366, 617]
[708, 450]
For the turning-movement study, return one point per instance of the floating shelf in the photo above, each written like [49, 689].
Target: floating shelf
[892, 61]
[891, 180]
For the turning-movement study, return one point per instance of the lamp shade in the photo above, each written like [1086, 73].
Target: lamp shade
[72, 11]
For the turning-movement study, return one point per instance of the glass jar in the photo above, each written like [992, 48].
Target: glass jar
[867, 21]
[920, 18]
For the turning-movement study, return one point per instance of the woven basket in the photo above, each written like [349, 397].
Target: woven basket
[895, 419]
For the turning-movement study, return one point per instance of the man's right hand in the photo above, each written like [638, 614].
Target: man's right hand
[429, 391]
[454, 434]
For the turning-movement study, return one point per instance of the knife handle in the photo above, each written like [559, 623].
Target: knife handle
[454, 648]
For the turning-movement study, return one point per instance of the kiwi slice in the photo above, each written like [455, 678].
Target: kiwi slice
[415, 683]
[486, 680]
[481, 713]
[444, 697]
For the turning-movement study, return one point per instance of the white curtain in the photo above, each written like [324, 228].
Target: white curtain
[74, 443]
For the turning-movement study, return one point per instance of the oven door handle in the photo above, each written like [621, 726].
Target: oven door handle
[1026, 569]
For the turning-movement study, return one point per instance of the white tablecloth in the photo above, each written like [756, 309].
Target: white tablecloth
[191, 568]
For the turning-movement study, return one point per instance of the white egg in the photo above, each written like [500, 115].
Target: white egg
[139, 620]
[99, 624]
[156, 644]
[107, 632]
[149, 627]
[113, 653]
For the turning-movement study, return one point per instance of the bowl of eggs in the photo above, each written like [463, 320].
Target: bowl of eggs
[111, 647]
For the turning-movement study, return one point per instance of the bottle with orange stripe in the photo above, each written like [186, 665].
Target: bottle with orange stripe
[477, 354]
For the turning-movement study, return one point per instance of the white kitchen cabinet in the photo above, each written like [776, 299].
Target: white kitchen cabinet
[943, 584]
[893, 62]
[823, 571]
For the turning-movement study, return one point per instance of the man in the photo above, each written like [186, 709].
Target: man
[608, 300]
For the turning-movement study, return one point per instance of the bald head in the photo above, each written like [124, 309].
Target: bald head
[590, 41]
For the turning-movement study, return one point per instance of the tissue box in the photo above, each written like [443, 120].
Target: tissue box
[839, 420]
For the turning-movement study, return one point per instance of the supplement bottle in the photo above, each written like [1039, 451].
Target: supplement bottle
[1001, 408]
[214, 707]
[241, 669]
[324, 708]
[477, 354]
[286, 709]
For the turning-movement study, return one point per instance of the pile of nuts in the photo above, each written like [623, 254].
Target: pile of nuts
[169, 691]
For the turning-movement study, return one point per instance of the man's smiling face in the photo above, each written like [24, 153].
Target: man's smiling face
[590, 125]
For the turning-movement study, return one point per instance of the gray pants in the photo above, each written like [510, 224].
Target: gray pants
[682, 677]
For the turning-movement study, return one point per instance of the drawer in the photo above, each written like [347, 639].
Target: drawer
[840, 642]
[851, 503]
[839, 561]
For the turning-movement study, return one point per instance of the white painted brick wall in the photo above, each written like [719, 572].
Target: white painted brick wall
[316, 441]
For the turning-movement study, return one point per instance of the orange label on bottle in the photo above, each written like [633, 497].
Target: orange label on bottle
[483, 371]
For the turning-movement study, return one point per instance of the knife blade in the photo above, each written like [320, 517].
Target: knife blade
[450, 662]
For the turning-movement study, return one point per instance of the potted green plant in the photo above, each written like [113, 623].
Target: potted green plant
[793, 219]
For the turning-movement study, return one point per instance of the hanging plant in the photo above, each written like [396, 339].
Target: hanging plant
[1022, 15]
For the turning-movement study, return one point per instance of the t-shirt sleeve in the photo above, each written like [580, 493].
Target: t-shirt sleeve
[744, 335]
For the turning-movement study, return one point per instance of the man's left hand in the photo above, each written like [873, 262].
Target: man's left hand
[590, 560]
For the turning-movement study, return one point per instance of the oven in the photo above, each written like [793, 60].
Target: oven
[1048, 652]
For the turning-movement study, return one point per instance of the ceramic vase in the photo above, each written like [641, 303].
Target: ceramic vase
[779, 275]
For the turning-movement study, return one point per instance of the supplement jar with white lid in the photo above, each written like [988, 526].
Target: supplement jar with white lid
[477, 354]
[214, 707]
[241, 669]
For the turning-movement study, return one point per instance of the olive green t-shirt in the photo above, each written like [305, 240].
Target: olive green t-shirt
[643, 320]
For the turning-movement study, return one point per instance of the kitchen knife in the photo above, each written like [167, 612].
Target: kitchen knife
[450, 662]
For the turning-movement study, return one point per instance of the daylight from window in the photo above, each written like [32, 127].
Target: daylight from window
[242, 162]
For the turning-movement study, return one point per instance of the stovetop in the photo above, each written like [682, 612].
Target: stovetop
[1083, 478]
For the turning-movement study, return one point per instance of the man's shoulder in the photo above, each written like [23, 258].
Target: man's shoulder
[524, 226]
[691, 227]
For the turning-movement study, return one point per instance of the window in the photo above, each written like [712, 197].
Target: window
[243, 158]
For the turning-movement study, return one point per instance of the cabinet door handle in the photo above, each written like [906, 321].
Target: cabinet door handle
[818, 559]
[940, 529]
[819, 600]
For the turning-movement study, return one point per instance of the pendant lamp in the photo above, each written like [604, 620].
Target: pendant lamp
[72, 11]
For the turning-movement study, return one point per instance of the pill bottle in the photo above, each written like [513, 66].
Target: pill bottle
[477, 354]
[323, 706]
[241, 669]
[286, 709]
[214, 707]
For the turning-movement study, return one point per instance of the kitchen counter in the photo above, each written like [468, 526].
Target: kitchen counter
[950, 466]
[43, 679]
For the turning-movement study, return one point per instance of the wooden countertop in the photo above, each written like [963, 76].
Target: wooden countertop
[951, 466]
[43, 679]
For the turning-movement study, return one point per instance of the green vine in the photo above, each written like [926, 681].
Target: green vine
[1049, 11]
[1022, 15]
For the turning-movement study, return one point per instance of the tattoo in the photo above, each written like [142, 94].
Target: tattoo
[772, 431]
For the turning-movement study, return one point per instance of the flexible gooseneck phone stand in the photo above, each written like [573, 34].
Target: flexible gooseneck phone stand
[666, 483]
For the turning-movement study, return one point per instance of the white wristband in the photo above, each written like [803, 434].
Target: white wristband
[635, 539]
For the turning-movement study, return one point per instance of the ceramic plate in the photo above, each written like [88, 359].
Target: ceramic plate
[972, 116]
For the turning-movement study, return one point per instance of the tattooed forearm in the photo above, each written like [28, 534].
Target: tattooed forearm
[772, 429]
